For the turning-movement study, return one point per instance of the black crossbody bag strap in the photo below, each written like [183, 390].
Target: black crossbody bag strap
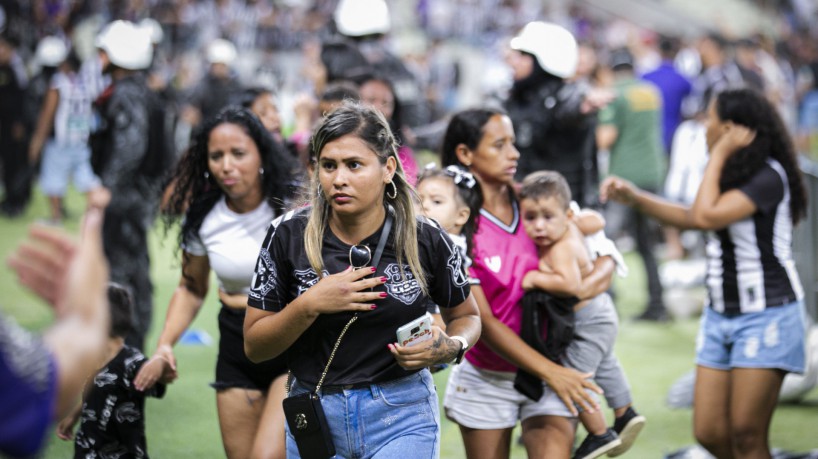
[387, 227]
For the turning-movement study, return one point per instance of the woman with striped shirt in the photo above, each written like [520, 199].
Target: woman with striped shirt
[752, 331]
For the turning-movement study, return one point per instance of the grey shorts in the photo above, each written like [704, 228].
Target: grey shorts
[484, 399]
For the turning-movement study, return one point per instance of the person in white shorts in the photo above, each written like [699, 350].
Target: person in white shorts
[480, 396]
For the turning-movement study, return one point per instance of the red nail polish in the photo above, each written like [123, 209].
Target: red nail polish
[383, 279]
[382, 294]
[372, 306]
[372, 269]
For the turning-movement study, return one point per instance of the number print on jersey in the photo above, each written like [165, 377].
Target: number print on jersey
[406, 291]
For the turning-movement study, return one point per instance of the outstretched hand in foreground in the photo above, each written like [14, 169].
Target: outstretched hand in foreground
[72, 277]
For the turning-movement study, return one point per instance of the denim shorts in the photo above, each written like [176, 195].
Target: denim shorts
[395, 419]
[772, 338]
[487, 400]
[63, 162]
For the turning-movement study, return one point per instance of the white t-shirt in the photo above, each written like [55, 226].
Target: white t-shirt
[688, 158]
[231, 242]
[72, 121]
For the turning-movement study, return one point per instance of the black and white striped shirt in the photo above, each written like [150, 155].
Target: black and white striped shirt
[749, 263]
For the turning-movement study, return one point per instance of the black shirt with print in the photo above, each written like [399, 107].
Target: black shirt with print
[283, 272]
[113, 420]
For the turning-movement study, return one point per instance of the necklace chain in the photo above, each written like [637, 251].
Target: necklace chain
[332, 354]
[329, 362]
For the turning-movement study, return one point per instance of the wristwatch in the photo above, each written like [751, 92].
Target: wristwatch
[464, 346]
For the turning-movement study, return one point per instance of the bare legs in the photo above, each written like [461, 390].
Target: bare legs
[549, 437]
[544, 437]
[252, 424]
[733, 410]
[271, 438]
[486, 444]
[239, 414]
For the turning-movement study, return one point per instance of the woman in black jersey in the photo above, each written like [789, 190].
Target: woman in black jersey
[321, 266]
[752, 331]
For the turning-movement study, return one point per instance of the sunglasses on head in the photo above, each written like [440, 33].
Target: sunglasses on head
[359, 256]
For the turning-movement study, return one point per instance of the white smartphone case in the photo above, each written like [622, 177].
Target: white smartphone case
[416, 331]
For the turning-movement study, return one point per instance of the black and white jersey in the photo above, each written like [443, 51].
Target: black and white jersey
[749, 263]
[283, 272]
[113, 412]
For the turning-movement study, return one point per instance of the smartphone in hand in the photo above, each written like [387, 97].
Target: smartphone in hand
[416, 331]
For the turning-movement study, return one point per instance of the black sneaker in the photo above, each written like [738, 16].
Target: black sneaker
[597, 445]
[627, 427]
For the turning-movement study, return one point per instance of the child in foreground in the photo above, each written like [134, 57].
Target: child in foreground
[112, 413]
[564, 261]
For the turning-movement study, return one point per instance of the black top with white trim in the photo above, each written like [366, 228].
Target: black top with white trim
[112, 423]
[283, 272]
[749, 263]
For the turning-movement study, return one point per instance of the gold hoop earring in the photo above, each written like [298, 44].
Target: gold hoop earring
[394, 190]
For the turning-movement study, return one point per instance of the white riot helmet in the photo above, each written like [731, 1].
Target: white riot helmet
[221, 51]
[126, 45]
[358, 18]
[153, 29]
[553, 46]
[51, 52]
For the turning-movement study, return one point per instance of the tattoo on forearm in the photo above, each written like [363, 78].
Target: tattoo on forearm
[444, 349]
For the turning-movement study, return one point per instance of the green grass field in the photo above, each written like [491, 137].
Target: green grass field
[184, 423]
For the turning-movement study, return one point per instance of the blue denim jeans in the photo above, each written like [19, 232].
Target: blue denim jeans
[395, 419]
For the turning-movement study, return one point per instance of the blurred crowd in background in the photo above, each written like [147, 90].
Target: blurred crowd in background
[635, 77]
[438, 57]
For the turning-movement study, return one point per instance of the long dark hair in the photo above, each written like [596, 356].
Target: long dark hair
[467, 128]
[195, 192]
[748, 107]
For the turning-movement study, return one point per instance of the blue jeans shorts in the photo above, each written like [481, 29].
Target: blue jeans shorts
[395, 419]
[61, 163]
[772, 338]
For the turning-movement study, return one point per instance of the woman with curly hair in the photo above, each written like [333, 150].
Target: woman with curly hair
[752, 331]
[230, 184]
